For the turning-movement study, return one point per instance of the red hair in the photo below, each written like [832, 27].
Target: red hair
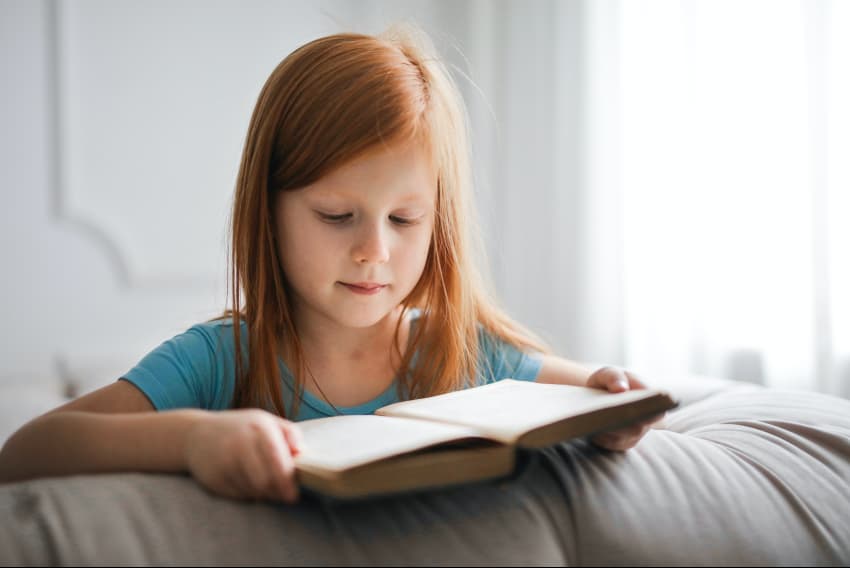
[325, 104]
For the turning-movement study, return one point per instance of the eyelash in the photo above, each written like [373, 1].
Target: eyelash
[339, 219]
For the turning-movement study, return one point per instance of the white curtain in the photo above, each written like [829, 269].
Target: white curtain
[717, 136]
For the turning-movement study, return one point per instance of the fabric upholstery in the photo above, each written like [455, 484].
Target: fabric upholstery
[743, 476]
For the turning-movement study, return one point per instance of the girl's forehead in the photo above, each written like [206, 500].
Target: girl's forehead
[402, 174]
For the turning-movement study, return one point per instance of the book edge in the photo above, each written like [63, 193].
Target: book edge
[512, 436]
[419, 472]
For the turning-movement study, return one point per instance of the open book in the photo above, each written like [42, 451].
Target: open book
[458, 437]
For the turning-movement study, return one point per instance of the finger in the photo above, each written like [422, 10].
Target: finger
[644, 428]
[616, 380]
[609, 441]
[615, 442]
[621, 439]
[255, 474]
[638, 429]
[608, 378]
[601, 440]
[632, 438]
[293, 436]
[281, 467]
[633, 381]
[628, 433]
[593, 381]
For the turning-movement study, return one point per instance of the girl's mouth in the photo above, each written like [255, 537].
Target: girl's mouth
[367, 288]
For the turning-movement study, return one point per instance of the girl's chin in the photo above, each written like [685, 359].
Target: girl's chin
[364, 321]
[358, 317]
[345, 314]
[353, 311]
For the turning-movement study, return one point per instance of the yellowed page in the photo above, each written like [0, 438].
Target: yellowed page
[507, 409]
[341, 442]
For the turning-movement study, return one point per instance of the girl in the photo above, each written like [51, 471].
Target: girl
[353, 286]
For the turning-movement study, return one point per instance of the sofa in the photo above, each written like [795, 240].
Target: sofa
[738, 475]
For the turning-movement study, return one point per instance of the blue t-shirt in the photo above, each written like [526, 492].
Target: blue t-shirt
[196, 369]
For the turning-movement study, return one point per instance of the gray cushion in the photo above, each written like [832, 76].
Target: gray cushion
[743, 476]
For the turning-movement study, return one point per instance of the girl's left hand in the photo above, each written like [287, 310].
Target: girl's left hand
[613, 379]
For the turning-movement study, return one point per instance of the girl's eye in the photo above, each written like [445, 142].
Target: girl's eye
[335, 218]
[401, 220]
[342, 218]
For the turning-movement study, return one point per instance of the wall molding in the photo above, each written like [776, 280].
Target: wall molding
[83, 222]
[89, 229]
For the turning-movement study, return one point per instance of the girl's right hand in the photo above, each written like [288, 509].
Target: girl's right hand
[245, 454]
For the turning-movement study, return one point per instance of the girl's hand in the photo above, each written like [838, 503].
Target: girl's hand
[613, 379]
[245, 454]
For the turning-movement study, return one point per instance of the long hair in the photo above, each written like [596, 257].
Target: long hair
[328, 102]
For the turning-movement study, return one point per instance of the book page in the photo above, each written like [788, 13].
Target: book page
[342, 442]
[507, 409]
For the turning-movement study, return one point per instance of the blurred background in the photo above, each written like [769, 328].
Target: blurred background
[664, 185]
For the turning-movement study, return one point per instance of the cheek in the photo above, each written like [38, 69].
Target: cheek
[415, 252]
[305, 254]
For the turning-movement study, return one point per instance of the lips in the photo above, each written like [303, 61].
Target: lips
[364, 287]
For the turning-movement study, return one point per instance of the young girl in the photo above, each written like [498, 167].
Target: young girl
[353, 286]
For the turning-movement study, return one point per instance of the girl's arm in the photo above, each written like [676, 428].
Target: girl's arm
[238, 453]
[559, 371]
[556, 370]
[107, 430]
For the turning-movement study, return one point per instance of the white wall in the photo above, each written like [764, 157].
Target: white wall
[122, 126]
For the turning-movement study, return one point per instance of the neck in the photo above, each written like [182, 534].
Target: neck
[327, 344]
[334, 354]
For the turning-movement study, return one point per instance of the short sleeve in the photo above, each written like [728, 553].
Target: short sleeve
[500, 360]
[180, 373]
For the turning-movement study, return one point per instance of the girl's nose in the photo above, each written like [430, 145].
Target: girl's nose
[371, 246]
